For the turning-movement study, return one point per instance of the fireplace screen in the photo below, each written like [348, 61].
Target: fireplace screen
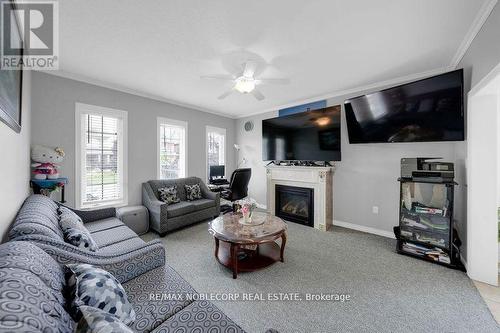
[295, 204]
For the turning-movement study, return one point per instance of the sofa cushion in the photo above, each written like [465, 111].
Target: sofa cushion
[180, 182]
[31, 285]
[193, 192]
[74, 231]
[108, 237]
[149, 294]
[168, 194]
[96, 287]
[37, 216]
[203, 204]
[105, 224]
[98, 321]
[123, 246]
[181, 208]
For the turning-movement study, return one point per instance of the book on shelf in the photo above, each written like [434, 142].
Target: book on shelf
[429, 210]
[434, 224]
[413, 223]
[435, 254]
[431, 240]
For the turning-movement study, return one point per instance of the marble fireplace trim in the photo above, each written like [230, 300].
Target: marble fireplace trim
[320, 179]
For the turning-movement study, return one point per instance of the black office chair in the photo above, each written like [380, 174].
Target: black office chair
[238, 187]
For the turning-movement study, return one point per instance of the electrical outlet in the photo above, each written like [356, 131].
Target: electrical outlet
[375, 209]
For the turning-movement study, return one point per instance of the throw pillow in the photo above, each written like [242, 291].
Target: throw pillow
[98, 288]
[68, 219]
[169, 194]
[95, 320]
[81, 239]
[193, 192]
[74, 231]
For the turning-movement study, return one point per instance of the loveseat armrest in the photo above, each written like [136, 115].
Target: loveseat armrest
[95, 214]
[207, 194]
[157, 209]
[124, 266]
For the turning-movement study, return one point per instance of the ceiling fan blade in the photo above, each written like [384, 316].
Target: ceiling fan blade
[218, 77]
[227, 93]
[257, 94]
[250, 68]
[274, 81]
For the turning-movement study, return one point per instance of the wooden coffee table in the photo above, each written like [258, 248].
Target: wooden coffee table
[246, 248]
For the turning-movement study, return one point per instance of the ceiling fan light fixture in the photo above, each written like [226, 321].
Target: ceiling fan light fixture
[244, 84]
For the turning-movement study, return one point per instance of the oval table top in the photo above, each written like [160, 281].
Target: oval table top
[228, 228]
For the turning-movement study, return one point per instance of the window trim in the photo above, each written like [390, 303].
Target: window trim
[173, 122]
[222, 131]
[81, 108]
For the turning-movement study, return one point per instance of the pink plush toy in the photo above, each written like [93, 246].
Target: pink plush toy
[46, 162]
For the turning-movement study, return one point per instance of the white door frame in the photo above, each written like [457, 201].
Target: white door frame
[483, 155]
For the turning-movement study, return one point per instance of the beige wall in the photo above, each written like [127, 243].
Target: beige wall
[15, 164]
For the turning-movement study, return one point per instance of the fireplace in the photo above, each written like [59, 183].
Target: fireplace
[295, 204]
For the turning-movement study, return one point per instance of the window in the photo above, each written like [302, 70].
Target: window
[172, 143]
[216, 147]
[101, 156]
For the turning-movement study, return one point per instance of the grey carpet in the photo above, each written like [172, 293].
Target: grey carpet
[389, 292]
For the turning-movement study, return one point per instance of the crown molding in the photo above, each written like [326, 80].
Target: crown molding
[476, 26]
[474, 29]
[359, 89]
[99, 83]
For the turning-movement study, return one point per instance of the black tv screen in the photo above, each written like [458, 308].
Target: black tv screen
[421, 111]
[306, 136]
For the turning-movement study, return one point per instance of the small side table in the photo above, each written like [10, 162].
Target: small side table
[134, 217]
[46, 186]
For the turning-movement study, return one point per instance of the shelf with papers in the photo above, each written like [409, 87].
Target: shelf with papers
[426, 228]
[427, 238]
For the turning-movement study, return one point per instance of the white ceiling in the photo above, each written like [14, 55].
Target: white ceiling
[160, 48]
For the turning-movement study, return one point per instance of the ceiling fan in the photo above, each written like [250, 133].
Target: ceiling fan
[245, 82]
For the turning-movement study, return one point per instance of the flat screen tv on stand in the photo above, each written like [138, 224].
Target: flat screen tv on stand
[303, 138]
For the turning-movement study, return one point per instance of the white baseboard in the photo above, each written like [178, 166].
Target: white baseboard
[363, 228]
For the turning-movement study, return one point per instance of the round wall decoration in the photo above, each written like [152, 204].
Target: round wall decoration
[248, 126]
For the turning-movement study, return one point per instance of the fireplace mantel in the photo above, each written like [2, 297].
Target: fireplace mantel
[320, 179]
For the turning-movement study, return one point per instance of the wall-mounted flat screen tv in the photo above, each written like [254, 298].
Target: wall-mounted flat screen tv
[426, 110]
[306, 136]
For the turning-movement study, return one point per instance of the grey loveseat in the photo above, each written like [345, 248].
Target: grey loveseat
[165, 218]
[32, 283]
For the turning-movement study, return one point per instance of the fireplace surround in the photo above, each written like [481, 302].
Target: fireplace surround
[317, 179]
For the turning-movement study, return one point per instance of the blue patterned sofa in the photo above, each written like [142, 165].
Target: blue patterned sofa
[32, 297]
[165, 218]
[37, 222]
[32, 284]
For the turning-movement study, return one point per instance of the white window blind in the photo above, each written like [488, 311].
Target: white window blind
[216, 147]
[171, 149]
[101, 165]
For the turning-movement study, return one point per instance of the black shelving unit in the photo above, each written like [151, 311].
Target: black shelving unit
[426, 227]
